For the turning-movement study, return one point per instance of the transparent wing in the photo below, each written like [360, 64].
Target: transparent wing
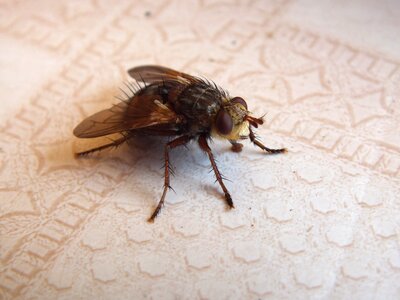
[104, 122]
[152, 74]
[139, 112]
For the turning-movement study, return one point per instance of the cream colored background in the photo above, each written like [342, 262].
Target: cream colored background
[321, 222]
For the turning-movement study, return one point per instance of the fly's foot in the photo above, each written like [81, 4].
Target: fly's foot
[229, 201]
[236, 147]
[275, 151]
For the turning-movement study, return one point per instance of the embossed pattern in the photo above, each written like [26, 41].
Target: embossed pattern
[322, 221]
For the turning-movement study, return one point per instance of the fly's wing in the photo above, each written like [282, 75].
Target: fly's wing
[104, 122]
[144, 109]
[153, 74]
[140, 111]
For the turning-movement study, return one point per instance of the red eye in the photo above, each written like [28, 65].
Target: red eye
[224, 122]
[239, 100]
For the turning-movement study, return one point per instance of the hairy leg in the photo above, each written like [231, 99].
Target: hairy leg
[259, 144]
[182, 140]
[204, 146]
[115, 143]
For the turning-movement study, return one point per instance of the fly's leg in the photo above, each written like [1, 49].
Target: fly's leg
[204, 146]
[236, 147]
[174, 143]
[115, 143]
[259, 144]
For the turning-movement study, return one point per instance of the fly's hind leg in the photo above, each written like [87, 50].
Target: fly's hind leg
[204, 146]
[174, 143]
[259, 144]
[115, 143]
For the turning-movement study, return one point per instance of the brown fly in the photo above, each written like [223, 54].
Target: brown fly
[178, 105]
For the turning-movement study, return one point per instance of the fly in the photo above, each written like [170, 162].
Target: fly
[180, 106]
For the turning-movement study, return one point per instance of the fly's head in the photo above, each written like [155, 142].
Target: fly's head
[233, 120]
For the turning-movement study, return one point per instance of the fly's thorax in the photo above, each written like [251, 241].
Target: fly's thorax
[199, 103]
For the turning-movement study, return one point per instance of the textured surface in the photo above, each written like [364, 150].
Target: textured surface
[322, 221]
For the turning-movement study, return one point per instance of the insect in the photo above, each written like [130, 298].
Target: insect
[180, 106]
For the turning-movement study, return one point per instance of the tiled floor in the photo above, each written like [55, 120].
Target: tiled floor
[322, 221]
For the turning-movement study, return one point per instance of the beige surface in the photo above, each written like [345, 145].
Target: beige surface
[321, 222]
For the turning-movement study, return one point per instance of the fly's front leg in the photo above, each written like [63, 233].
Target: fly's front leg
[204, 146]
[259, 144]
[236, 147]
[174, 143]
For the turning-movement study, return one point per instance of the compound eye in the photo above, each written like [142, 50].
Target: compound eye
[224, 122]
[239, 100]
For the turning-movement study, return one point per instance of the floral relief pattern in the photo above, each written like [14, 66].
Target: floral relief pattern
[321, 221]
